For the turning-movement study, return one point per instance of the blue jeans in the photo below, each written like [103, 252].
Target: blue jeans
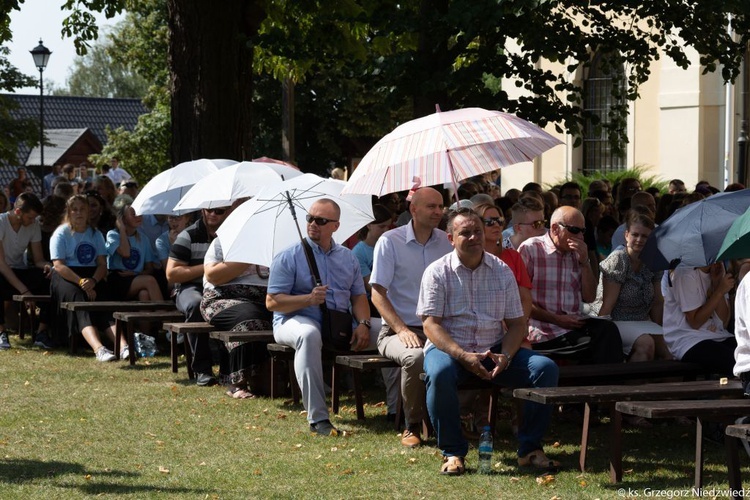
[444, 374]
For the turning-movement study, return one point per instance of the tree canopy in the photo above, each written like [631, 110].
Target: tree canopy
[362, 66]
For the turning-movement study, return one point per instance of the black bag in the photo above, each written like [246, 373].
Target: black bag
[336, 329]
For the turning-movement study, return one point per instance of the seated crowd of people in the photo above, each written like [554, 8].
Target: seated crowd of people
[496, 287]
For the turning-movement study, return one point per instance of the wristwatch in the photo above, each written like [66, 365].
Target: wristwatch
[365, 322]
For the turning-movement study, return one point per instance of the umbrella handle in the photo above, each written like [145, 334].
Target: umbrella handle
[307, 249]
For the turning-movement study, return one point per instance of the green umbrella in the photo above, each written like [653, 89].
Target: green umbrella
[736, 243]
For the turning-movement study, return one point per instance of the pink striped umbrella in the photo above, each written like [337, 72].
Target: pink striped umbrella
[447, 147]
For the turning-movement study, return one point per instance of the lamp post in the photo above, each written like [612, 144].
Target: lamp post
[41, 57]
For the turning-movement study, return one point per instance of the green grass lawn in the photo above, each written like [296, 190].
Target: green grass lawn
[71, 427]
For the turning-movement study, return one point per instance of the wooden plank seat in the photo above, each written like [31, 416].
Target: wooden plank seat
[357, 363]
[717, 410]
[184, 328]
[254, 336]
[27, 309]
[608, 395]
[735, 432]
[125, 324]
[110, 306]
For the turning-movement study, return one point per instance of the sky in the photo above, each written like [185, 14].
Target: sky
[43, 19]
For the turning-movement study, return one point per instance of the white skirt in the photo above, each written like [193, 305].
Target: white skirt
[631, 330]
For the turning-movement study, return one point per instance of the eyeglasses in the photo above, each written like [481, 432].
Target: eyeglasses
[131, 184]
[535, 224]
[572, 229]
[320, 221]
[217, 211]
[491, 221]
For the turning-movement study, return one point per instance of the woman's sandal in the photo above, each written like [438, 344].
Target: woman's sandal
[238, 392]
[539, 461]
[453, 466]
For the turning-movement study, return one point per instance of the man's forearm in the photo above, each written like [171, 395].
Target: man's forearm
[440, 337]
[285, 304]
[544, 315]
[385, 308]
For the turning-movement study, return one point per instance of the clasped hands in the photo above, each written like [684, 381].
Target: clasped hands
[472, 362]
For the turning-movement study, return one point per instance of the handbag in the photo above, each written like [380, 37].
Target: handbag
[336, 329]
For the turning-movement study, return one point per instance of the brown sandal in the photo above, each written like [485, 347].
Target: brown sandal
[453, 466]
[237, 392]
[538, 460]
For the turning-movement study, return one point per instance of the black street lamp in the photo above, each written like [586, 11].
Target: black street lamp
[41, 57]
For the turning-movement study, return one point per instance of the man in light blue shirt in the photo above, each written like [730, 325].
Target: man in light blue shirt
[401, 256]
[295, 301]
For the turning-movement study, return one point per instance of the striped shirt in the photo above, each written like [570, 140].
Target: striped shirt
[471, 303]
[556, 284]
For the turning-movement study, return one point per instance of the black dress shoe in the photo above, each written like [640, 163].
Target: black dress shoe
[205, 379]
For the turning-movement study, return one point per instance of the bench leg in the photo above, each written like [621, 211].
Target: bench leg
[118, 335]
[492, 410]
[188, 358]
[698, 453]
[32, 320]
[584, 437]
[733, 465]
[358, 399]
[21, 318]
[131, 342]
[173, 350]
[615, 462]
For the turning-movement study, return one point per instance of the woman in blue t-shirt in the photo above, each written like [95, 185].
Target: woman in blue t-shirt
[130, 257]
[78, 255]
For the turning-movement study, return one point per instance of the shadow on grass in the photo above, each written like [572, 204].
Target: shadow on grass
[18, 471]
[153, 364]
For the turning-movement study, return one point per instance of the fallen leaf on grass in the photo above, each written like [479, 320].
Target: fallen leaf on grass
[27, 383]
[545, 479]
[202, 464]
[334, 449]
[515, 479]
[281, 415]
[87, 477]
[347, 471]
[46, 353]
[257, 472]
[556, 444]
[412, 460]
[159, 443]
[556, 498]
[298, 445]
[379, 404]
[583, 484]
[150, 434]
[163, 470]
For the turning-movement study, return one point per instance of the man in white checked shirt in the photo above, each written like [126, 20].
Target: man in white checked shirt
[464, 299]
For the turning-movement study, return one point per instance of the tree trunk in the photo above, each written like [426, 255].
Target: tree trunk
[210, 59]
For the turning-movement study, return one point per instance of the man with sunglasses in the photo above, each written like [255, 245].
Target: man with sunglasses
[562, 278]
[528, 221]
[185, 267]
[401, 256]
[295, 303]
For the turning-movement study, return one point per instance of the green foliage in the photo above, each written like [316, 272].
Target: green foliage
[13, 132]
[639, 172]
[99, 74]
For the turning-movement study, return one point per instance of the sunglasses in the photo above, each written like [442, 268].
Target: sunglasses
[572, 229]
[491, 221]
[320, 221]
[217, 211]
[535, 224]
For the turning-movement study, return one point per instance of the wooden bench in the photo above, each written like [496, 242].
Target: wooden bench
[254, 336]
[185, 328]
[111, 306]
[735, 432]
[27, 309]
[282, 352]
[357, 363]
[610, 394]
[125, 324]
[717, 410]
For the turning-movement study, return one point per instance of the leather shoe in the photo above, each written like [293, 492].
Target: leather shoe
[205, 379]
[410, 439]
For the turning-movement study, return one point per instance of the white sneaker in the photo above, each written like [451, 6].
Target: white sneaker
[103, 355]
[125, 353]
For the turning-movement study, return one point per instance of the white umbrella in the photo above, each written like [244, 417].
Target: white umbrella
[260, 228]
[445, 147]
[240, 180]
[161, 194]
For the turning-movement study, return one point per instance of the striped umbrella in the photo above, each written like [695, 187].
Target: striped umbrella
[447, 147]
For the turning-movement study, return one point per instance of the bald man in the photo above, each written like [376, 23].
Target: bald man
[401, 256]
[562, 278]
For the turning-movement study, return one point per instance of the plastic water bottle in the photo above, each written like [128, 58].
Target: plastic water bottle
[145, 345]
[485, 451]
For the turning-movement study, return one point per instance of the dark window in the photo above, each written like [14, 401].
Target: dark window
[598, 153]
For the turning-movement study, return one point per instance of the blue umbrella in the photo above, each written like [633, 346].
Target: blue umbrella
[693, 235]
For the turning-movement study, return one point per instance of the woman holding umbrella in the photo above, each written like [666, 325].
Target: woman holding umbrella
[234, 297]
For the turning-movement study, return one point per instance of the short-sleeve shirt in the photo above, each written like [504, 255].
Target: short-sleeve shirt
[15, 243]
[162, 245]
[514, 261]
[250, 276]
[400, 261]
[338, 268]
[636, 288]
[471, 303]
[365, 254]
[140, 252]
[556, 284]
[190, 246]
[77, 249]
[687, 293]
